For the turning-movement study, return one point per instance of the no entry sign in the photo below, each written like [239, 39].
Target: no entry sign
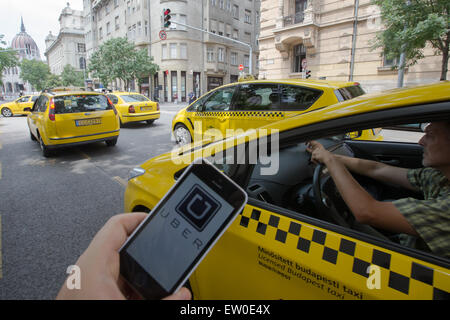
[162, 35]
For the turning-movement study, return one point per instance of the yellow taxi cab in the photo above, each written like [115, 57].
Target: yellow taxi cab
[253, 104]
[18, 106]
[62, 119]
[296, 238]
[134, 107]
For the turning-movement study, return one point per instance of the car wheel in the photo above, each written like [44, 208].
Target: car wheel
[45, 150]
[32, 137]
[6, 112]
[182, 134]
[111, 143]
[150, 121]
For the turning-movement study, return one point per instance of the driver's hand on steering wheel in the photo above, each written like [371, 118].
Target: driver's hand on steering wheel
[318, 153]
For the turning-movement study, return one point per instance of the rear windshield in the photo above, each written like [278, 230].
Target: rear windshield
[81, 103]
[348, 93]
[134, 98]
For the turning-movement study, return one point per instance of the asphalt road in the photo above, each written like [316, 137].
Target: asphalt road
[51, 208]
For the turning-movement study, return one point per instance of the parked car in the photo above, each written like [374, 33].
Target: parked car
[296, 238]
[61, 119]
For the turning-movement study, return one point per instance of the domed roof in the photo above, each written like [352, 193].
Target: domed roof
[26, 44]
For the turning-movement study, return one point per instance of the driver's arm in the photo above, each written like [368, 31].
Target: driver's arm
[378, 171]
[365, 208]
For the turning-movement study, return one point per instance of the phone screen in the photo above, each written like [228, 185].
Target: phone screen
[172, 240]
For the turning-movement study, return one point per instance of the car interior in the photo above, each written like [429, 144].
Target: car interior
[307, 189]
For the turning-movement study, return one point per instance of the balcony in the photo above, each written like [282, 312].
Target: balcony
[297, 18]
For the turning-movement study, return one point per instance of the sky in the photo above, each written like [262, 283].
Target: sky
[39, 17]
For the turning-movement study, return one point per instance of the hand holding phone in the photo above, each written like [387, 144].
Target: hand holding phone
[170, 243]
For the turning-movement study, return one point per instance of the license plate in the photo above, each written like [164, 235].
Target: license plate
[146, 108]
[88, 122]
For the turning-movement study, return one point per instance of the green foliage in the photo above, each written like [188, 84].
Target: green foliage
[71, 77]
[410, 25]
[53, 81]
[8, 59]
[35, 72]
[118, 59]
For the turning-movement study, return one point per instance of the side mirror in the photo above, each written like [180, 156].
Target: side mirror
[354, 134]
[27, 109]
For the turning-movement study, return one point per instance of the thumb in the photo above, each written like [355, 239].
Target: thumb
[182, 294]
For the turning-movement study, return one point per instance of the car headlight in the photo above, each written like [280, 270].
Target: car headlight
[135, 172]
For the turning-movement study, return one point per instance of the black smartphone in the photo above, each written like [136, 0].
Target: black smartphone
[168, 245]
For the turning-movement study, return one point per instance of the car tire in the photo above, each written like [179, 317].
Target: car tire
[32, 137]
[182, 134]
[6, 112]
[45, 150]
[111, 143]
[150, 121]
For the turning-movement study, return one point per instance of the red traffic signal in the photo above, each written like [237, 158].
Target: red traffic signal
[166, 12]
[166, 72]
[167, 18]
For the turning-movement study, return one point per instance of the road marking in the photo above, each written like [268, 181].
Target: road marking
[120, 181]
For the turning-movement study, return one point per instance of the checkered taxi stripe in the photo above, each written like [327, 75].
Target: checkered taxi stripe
[401, 278]
[242, 114]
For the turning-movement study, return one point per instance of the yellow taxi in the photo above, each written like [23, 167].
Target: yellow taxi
[62, 119]
[246, 105]
[134, 107]
[296, 238]
[18, 106]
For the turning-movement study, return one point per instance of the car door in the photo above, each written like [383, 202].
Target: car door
[21, 103]
[33, 117]
[215, 113]
[273, 252]
[255, 105]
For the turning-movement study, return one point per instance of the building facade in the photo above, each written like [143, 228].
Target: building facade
[26, 48]
[189, 60]
[68, 47]
[332, 39]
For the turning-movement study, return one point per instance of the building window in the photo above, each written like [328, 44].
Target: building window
[299, 56]
[248, 16]
[173, 51]
[174, 85]
[117, 23]
[209, 54]
[235, 34]
[164, 51]
[234, 59]
[82, 63]
[221, 55]
[390, 62]
[108, 28]
[235, 12]
[246, 60]
[81, 47]
[183, 51]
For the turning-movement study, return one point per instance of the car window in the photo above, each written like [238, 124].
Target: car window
[350, 92]
[23, 99]
[297, 98]
[34, 98]
[134, 98]
[219, 100]
[80, 103]
[113, 98]
[42, 104]
[257, 97]
[196, 107]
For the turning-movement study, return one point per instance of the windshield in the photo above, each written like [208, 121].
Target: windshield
[351, 92]
[80, 103]
[134, 98]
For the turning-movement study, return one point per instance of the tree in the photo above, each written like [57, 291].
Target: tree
[410, 25]
[71, 77]
[118, 59]
[8, 58]
[35, 72]
[53, 81]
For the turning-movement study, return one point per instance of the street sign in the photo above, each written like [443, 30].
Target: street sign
[241, 67]
[162, 35]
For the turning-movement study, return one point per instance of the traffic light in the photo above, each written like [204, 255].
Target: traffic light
[167, 18]
[308, 74]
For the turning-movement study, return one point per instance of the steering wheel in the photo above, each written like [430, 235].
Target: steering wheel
[324, 204]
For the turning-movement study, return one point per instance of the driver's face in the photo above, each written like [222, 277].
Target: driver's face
[436, 142]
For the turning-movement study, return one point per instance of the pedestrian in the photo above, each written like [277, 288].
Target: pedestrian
[191, 97]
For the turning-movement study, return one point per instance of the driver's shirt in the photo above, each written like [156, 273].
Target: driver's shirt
[429, 217]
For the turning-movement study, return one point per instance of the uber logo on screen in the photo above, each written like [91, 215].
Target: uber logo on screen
[198, 207]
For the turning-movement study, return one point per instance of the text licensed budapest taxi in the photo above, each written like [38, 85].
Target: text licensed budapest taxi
[296, 238]
[71, 118]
